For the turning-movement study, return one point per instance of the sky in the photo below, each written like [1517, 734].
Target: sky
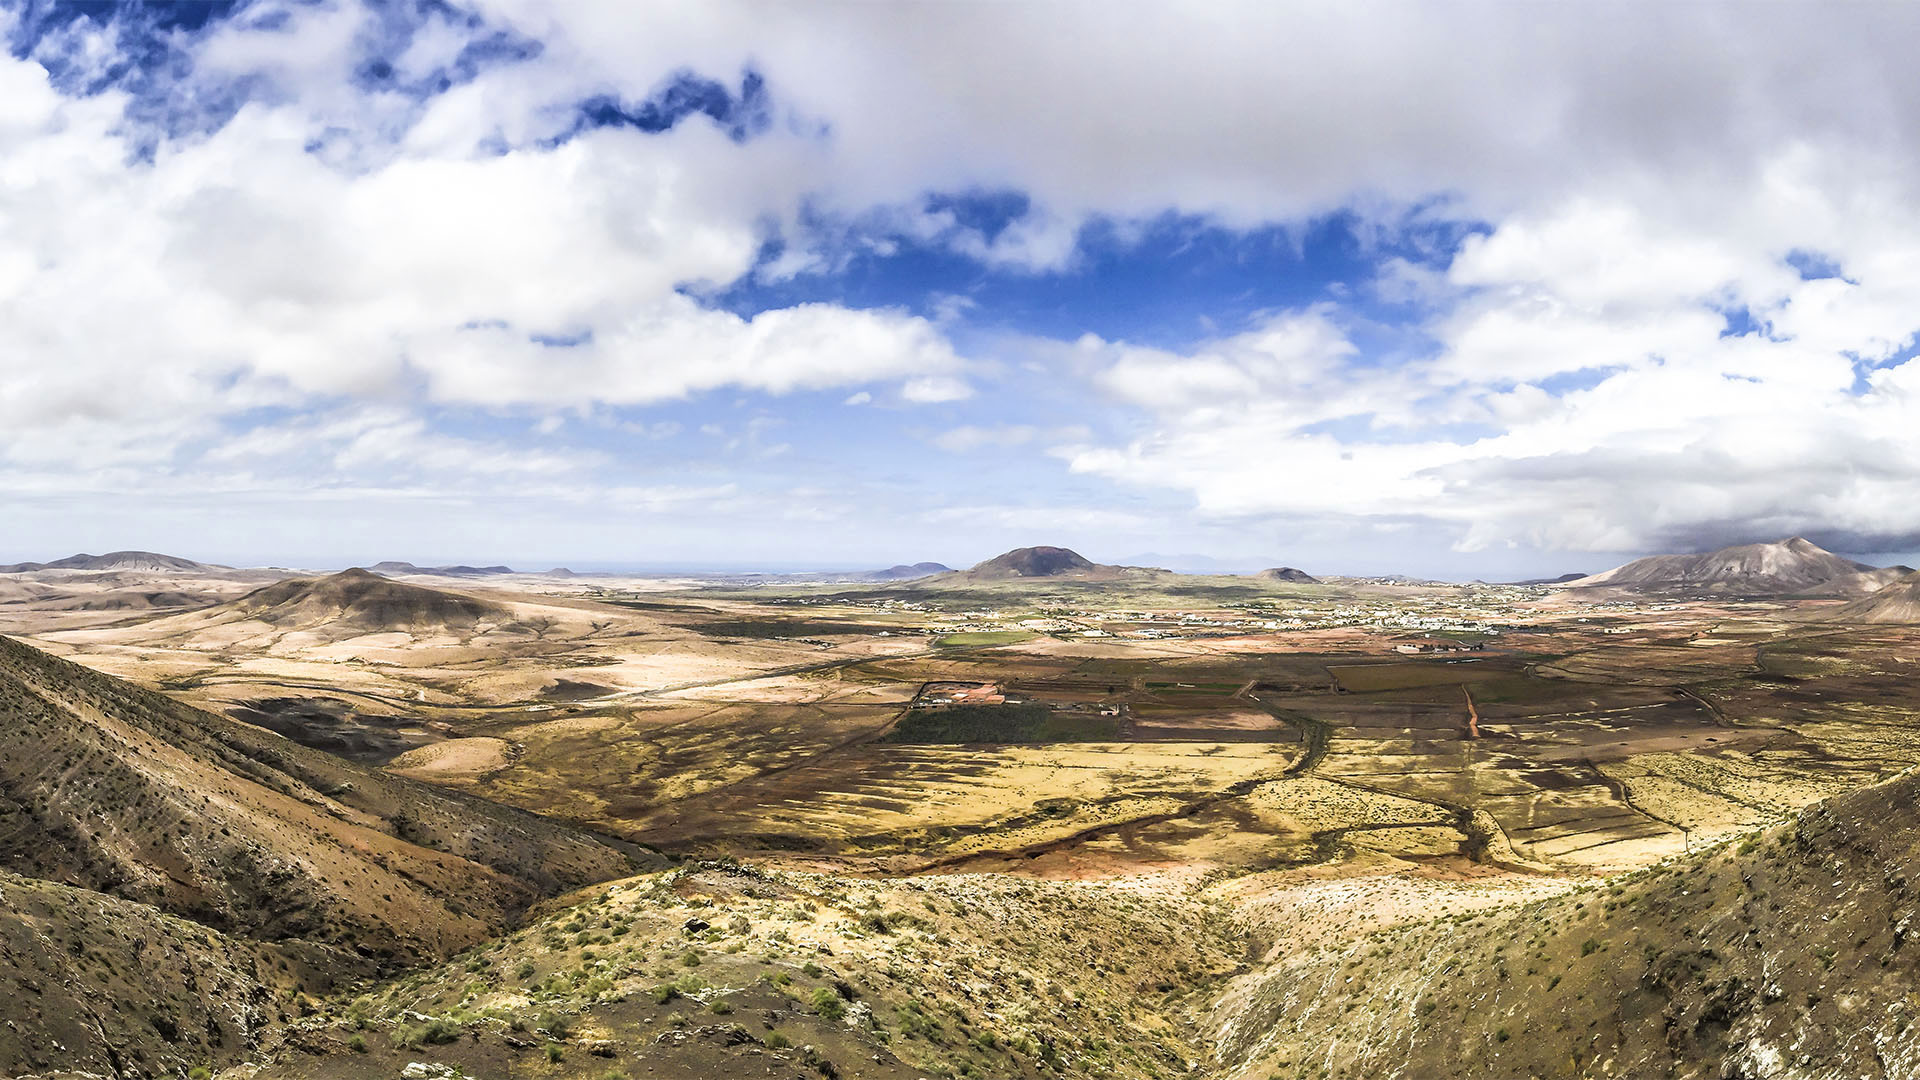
[1450, 289]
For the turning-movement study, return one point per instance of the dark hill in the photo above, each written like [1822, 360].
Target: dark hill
[364, 600]
[1784, 567]
[1287, 573]
[1030, 562]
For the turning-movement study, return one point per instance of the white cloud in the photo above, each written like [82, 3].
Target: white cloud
[969, 437]
[1048, 521]
[1683, 432]
[333, 249]
[933, 389]
[142, 303]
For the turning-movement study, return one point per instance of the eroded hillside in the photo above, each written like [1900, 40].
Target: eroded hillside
[1791, 953]
[109, 787]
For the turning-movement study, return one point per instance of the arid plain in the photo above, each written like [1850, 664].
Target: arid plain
[1263, 768]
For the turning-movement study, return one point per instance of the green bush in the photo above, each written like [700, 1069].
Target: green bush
[556, 1025]
[827, 1004]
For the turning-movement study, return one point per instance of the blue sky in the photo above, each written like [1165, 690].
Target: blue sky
[612, 283]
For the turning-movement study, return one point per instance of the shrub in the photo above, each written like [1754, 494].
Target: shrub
[357, 1044]
[556, 1025]
[827, 1003]
[556, 1053]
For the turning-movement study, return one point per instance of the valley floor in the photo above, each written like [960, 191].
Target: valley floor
[1236, 832]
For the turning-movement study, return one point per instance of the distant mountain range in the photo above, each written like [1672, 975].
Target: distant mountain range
[1790, 567]
[394, 567]
[904, 572]
[115, 560]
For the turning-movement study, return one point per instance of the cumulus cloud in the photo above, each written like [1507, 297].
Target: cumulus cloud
[1673, 428]
[151, 293]
[932, 389]
[1683, 307]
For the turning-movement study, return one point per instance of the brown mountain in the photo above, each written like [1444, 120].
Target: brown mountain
[1287, 573]
[1896, 603]
[1784, 567]
[361, 600]
[1031, 562]
[108, 787]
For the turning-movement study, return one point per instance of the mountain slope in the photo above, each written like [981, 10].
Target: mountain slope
[1793, 954]
[101, 986]
[1896, 603]
[107, 786]
[1783, 567]
[1287, 573]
